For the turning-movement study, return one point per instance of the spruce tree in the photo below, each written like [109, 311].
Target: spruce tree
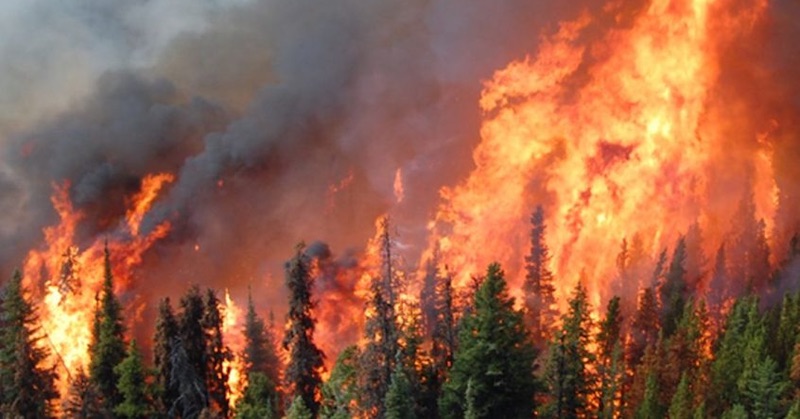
[217, 355]
[132, 386]
[571, 364]
[260, 398]
[400, 398]
[108, 349]
[340, 393]
[650, 407]
[193, 339]
[303, 373]
[192, 396]
[298, 410]
[610, 368]
[26, 383]
[380, 330]
[165, 337]
[83, 400]
[260, 354]
[681, 406]
[539, 300]
[495, 353]
[674, 290]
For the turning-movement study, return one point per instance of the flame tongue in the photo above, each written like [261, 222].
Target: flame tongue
[610, 136]
[71, 277]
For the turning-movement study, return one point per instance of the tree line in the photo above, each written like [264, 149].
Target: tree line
[689, 344]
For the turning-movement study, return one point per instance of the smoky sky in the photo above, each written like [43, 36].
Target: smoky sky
[257, 107]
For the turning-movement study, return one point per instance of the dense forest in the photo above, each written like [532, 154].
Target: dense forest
[695, 343]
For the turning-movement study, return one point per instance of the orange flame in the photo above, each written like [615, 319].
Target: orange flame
[613, 148]
[232, 335]
[67, 279]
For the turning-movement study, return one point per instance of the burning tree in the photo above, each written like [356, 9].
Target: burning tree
[303, 373]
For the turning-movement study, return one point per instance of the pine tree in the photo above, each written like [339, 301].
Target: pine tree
[695, 262]
[495, 353]
[743, 325]
[83, 400]
[303, 374]
[165, 337]
[340, 392]
[26, 384]
[609, 359]
[108, 349]
[650, 408]
[381, 331]
[645, 326]
[132, 385]
[400, 397]
[260, 398]
[443, 342]
[681, 406]
[427, 295]
[569, 372]
[298, 410]
[539, 301]
[260, 353]
[189, 372]
[217, 355]
[719, 288]
[762, 388]
[192, 396]
[674, 290]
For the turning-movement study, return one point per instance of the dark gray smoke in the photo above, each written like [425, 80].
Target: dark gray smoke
[258, 108]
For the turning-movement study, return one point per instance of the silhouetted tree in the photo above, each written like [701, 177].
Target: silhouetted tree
[216, 356]
[539, 300]
[303, 373]
[165, 337]
[108, 349]
[26, 383]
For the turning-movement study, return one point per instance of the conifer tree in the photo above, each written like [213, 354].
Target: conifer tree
[681, 406]
[719, 287]
[165, 337]
[381, 330]
[260, 398]
[427, 296]
[609, 366]
[26, 383]
[494, 353]
[192, 396]
[539, 301]
[340, 393]
[298, 410]
[645, 327]
[400, 397]
[673, 290]
[650, 407]
[217, 354]
[132, 385]
[260, 353]
[443, 342]
[83, 400]
[303, 374]
[569, 372]
[193, 339]
[108, 349]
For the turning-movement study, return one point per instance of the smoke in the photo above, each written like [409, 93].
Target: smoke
[257, 107]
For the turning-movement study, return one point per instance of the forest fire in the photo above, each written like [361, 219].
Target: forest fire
[626, 153]
[604, 190]
[71, 278]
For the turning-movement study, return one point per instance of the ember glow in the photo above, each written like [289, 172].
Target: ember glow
[203, 154]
